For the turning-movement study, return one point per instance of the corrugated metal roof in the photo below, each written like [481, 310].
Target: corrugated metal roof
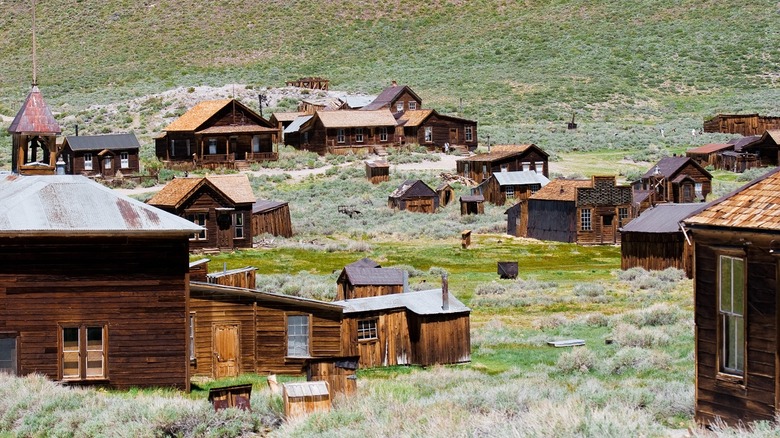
[561, 189]
[261, 205]
[355, 118]
[314, 388]
[197, 115]
[75, 205]
[367, 276]
[236, 188]
[415, 117]
[663, 218]
[426, 302]
[709, 148]
[755, 205]
[100, 142]
[523, 177]
[34, 117]
[356, 102]
[295, 126]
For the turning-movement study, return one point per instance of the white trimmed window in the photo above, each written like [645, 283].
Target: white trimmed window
[238, 225]
[539, 166]
[526, 166]
[399, 106]
[107, 162]
[83, 352]
[124, 160]
[622, 215]
[510, 192]
[428, 134]
[87, 161]
[297, 335]
[359, 135]
[198, 219]
[731, 314]
[340, 137]
[469, 133]
[366, 329]
[585, 219]
[412, 105]
[383, 133]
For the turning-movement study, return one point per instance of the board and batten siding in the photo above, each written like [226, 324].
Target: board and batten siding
[392, 345]
[275, 222]
[440, 339]
[656, 251]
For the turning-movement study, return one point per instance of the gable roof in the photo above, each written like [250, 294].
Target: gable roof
[663, 218]
[100, 142]
[355, 118]
[415, 117]
[370, 276]
[669, 166]
[561, 189]
[424, 302]
[740, 142]
[365, 262]
[34, 117]
[286, 116]
[67, 205]
[356, 101]
[196, 116]
[413, 187]
[235, 188]
[388, 95]
[755, 205]
[499, 152]
[710, 148]
[522, 177]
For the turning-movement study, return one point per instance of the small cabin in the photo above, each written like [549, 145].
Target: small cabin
[414, 196]
[359, 281]
[472, 204]
[377, 171]
[677, 179]
[446, 194]
[105, 155]
[514, 187]
[271, 217]
[736, 297]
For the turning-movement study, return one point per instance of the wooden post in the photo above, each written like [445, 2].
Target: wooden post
[445, 292]
[465, 239]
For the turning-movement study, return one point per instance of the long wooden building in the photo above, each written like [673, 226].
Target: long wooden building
[745, 124]
[736, 296]
[105, 155]
[504, 158]
[93, 285]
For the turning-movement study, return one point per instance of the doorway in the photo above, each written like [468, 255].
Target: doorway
[226, 350]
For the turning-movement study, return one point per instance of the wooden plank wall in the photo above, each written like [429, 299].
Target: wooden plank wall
[440, 339]
[656, 251]
[392, 346]
[138, 287]
[365, 291]
[745, 124]
[245, 278]
[552, 220]
[275, 222]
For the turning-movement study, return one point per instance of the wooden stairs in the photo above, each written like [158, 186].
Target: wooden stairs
[380, 150]
[242, 165]
[461, 150]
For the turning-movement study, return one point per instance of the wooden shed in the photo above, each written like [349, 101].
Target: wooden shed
[303, 398]
[237, 330]
[412, 328]
[655, 241]
[446, 194]
[414, 196]
[359, 281]
[271, 217]
[668, 180]
[504, 158]
[736, 298]
[93, 285]
[339, 372]
[745, 124]
[377, 171]
[472, 204]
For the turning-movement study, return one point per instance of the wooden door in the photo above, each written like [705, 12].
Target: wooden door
[453, 135]
[608, 233]
[226, 350]
[224, 231]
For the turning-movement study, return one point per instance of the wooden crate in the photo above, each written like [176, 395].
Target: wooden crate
[303, 398]
[236, 396]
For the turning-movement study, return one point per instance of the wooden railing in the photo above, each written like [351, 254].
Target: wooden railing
[262, 156]
[218, 158]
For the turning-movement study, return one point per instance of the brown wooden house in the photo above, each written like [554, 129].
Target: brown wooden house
[736, 293]
[105, 155]
[413, 328]
[34, 137]
[710, 154]
[217, 133]
[220, 204]
[395, 98]
[292, 133]
[587, 212]
[503, 158]
[271, 217]
[472, 204]
[678, 179]
[377, 171]
[514, 187]
[360, 281]
[436, 131]
[282, 120]
[745, 124]
[414, 196]
[93, 285]
[655, 240]
[347, 131]
[766, 149]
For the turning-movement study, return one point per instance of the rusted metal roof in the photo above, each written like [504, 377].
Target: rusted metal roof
[388, 95]
[561, 189]
[34, 117]
[663, 218]
[65, 205]
[356, 118]
[100, 142]
[235, 188]
[425, 302]
[262, 206]
[755, 205]
[370, 276]
[197, 115]
[710, 148]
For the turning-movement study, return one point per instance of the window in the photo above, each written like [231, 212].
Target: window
[340, 135]
[699, 187]
[192, 335]
[366, 329]
[83, 352]
[359, 135]
[428, 134]
[484, 172]
[87, 161]
[539, 166]
[198, 219]
[124, 160]
[585, 216]
[212, 146]
[731, 303]
[412, 105]
[622, 215]
[399, 106]
[8, 353]
[469, 133]
[298, 335]
[535, 188]
[504, 167]
[526, 166]
[255, 143]
[107, 162]
[510, 192]
[383, 134]
[238, 225]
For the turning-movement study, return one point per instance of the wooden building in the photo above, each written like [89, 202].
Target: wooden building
[413, 328]
[745, 124]
[377, 171]
[678, 179]
[446, 194]
[395, 98]
[93, 285]
[516, 221]
[766, 149]
[271, 217]
[587, 212]
[217, 133]
[310, 82]
[237, 330]
[710, 154]
[472, 204]
[360, 281]
[436, 131]
[220, 204]
[311, 105]
[514, 187]
[414, 196]
[105, 155]
[282, 120]
[292, 133]
[503, 158]
[34, 137]
[241, 277]
[347, 131]
[655, 241]
[736, 294]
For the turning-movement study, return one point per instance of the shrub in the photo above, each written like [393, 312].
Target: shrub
[579, 359]
[628, 335]
[589, 290]
[637, 359]
[493, 288]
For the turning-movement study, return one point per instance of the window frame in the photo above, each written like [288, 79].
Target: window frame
[213, 145]
[14, 357]
[412, 105]
[428, 134]
[510, 192]
[192, 336]
[586, 219]
[370, 333]
[198, 235]
[622, 216]
[88, 163]
[124, 160]
[358, 135]
[238, 225]
[290, 348]
[399, 106]
[468, 133]
[341, 136]
[526, 166]
[108, 162]
[383, 133]
[82, 351]
[725, 372]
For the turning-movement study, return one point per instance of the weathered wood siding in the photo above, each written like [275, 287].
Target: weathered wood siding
[656, 251]
[76, 165]
[377, 174]
[756, 397]
[443, 130]
[604, 200]
[348, 291]
[340, 379]
[471, 207]
[745, 124]
[439, 339]
[481, 170]
[415, 204]
[392, 346]
[552, 220]
[245, 278]
[137, 287]
[275, 222]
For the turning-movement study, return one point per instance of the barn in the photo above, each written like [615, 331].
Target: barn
[93, 285]
[736, 290]
[655, 240]
[414, 196]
